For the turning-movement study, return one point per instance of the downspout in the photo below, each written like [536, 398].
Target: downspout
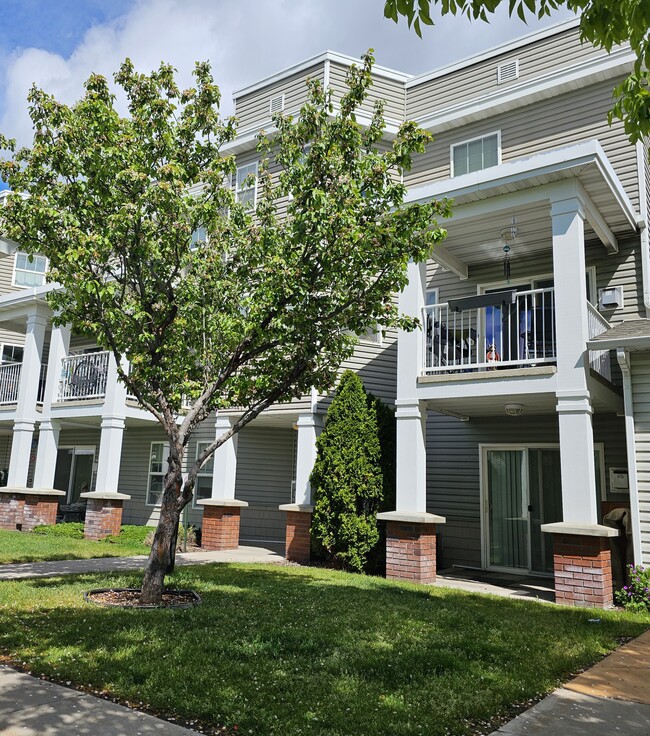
[623, 358]
[642, 223]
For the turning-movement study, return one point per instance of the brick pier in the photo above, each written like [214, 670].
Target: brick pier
[221, 518]
[21, 509]
[103, 514]
[582, 562]
[298, 532]
[411, 545]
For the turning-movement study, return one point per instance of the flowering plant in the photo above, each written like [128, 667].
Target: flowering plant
[635, 596]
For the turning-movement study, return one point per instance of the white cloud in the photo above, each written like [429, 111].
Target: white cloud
[244, 41]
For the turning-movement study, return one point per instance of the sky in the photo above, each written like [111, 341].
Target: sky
[56, 44]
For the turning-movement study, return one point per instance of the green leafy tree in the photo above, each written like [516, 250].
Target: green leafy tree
[387, 433]
[347, 477]
[214, 302]
[605, 23]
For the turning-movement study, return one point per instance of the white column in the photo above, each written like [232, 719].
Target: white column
[574, 409]
[411, 419]
[23, 431]
[48, 436]
[409, 344]
[309, 428]
[112, 431]
[225, 461]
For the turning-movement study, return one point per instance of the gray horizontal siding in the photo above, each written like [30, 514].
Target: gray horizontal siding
[453, 478]
[390, 91]
[558, 52]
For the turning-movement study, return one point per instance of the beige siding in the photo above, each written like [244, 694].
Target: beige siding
[641, 402]
[6, 287]
[560, 121]
[253, 109]
[536, 60]
[390, 91]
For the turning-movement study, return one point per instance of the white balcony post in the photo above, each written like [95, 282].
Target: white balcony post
[23, 431]
[225, 461]
[574, 408]
[46, 454]
[59, 347]
[309, 428]
[112, 431]
[410, 352]
[411, 419]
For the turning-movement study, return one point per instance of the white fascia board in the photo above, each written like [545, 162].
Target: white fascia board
[25, 297]
[617, 63]
[501, 49]
[573, 157]
[344, 59]
[642, 342]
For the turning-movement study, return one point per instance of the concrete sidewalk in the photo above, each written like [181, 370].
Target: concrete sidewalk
[21, 570]
[612, 697]
[32, 707]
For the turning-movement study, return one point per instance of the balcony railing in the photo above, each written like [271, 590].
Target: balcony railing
[84, 376]
[508, 329]
[9, 383]
[599, 360]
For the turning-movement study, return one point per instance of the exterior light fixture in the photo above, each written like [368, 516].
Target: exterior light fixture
[514, 410]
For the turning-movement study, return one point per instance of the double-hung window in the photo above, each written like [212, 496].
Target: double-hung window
[29, 270]
[12, 354]
[203, 487]
[157, 468]
[246, 185]
[475, 154]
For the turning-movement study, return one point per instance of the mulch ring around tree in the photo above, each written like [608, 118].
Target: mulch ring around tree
[130, 598]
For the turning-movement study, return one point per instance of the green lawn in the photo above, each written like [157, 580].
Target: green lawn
[58, 545]
[289, 650]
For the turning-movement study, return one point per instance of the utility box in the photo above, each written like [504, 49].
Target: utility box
[610, 298]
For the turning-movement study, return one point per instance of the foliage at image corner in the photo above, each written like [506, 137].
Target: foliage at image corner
[347, 481]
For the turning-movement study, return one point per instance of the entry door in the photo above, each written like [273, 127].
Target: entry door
[523, 491]
[74, 471]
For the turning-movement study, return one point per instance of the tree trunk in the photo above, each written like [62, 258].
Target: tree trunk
[163, 550]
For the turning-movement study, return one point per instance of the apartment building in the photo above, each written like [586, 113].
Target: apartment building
[522, 407]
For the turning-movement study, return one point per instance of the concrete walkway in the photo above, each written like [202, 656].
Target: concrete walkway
[613, 697]
[21, 570]
[32, 707]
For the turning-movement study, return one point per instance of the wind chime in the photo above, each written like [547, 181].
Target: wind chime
[508, 234]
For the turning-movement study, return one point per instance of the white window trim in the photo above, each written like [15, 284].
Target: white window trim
[376, 342]
[593, 291]
[149, 473]
[10, 345]
[254, 187]
[202, 474]
[471, 140]
[433, 290]
[13, 272]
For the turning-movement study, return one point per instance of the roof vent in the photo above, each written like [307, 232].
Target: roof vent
[276, 104]
[508, 71]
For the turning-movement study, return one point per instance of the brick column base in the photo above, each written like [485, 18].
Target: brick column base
[21, 509]
[411, 545]
[297, 540]
[103, 518]
[583, 571]
[221, 520]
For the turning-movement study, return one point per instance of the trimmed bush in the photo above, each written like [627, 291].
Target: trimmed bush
[346, 481]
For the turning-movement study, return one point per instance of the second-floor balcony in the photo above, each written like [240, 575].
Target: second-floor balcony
[84, 376]
[504, 329]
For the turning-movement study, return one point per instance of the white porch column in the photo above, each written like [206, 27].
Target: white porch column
[112, 431]
[225, 461]
[409, 345]
[411, 419]
[23, 431]
[574, 405]
[48, 437]
[309, 428]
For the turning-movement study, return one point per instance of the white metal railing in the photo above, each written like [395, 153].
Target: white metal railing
[521, 333]
[84, 376]
[599, 360]
[9, 382]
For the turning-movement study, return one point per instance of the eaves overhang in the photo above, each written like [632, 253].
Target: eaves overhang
[585, 162]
